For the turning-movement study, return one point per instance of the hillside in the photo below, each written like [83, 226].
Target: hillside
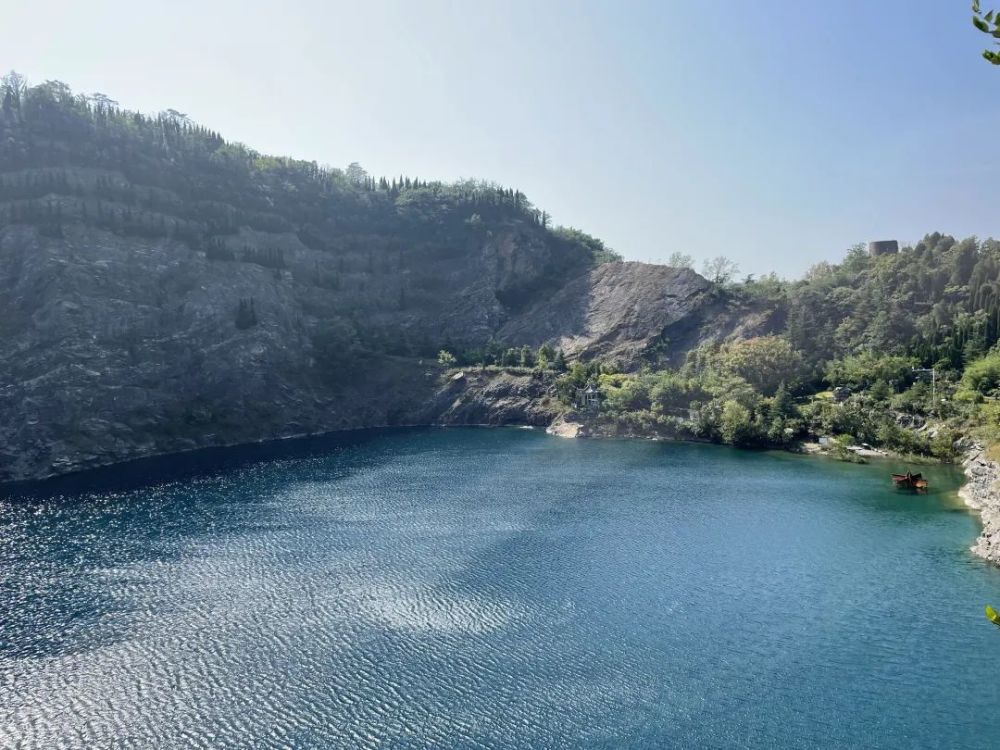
[164, 289]
[896, 350]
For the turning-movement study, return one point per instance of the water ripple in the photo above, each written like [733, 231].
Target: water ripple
[492, 589]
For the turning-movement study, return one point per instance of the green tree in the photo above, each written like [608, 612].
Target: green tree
[559, 364]
[776, 431]
[680, 260]
[735, 423]
[527, 356]
[599, 251]
[13, 86]
[983, 375]
[781, 403]
[624, 393]
[867, 368]
[988, 23]
[546, 354]
[446, 358]
[720, 270]
[942, 445]
[511, 357]
[671, 393]
[246, 314]
[765, 362]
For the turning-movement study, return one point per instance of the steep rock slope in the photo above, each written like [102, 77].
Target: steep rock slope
[633, 312]
[112, 350]
[116, 347]
[162, 290]
[617, 310]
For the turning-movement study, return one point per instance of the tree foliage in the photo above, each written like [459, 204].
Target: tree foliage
[988, 23]
[87, 159]
[896, 331]
[868, 368]
[735, 424]
[983, 375]
[764, 361]
[720, 270]
[680, 260]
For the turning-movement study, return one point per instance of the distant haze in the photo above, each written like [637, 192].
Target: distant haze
[777, 133]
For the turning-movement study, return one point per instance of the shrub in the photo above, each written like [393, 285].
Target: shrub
[867, 368]
[983, 375]
[765, 362]
[735, 423]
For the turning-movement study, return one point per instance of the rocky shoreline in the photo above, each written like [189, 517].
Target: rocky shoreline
[982, 493]
[503, 398]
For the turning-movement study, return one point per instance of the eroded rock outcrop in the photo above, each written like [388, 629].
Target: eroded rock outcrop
[981, 492]
[497, 398]
[115, 348]
[615, 310]
[633, 311]
[163, 290]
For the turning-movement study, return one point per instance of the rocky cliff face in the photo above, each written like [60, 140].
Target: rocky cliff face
[982, 493]
[633, 311]
[615, 310]
[115, 348]
[162, 290]
[497, 398]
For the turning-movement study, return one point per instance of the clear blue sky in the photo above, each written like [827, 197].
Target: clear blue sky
[777, 133]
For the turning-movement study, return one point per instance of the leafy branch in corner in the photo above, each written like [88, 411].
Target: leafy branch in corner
[988, 23]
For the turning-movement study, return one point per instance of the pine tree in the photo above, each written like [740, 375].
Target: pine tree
[527, 356]
[782, 404]
[559, 364]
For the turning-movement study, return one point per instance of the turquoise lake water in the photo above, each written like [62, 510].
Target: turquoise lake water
[476, 588]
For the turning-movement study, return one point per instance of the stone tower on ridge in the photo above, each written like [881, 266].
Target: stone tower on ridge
[883, 247]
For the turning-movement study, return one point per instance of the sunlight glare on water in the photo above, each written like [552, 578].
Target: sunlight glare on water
[493, 588]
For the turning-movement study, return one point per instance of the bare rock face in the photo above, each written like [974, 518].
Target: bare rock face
[567, 429]
[625, 311]
[163, 290]
[981, 492]
[492, 398]
[113, 348]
